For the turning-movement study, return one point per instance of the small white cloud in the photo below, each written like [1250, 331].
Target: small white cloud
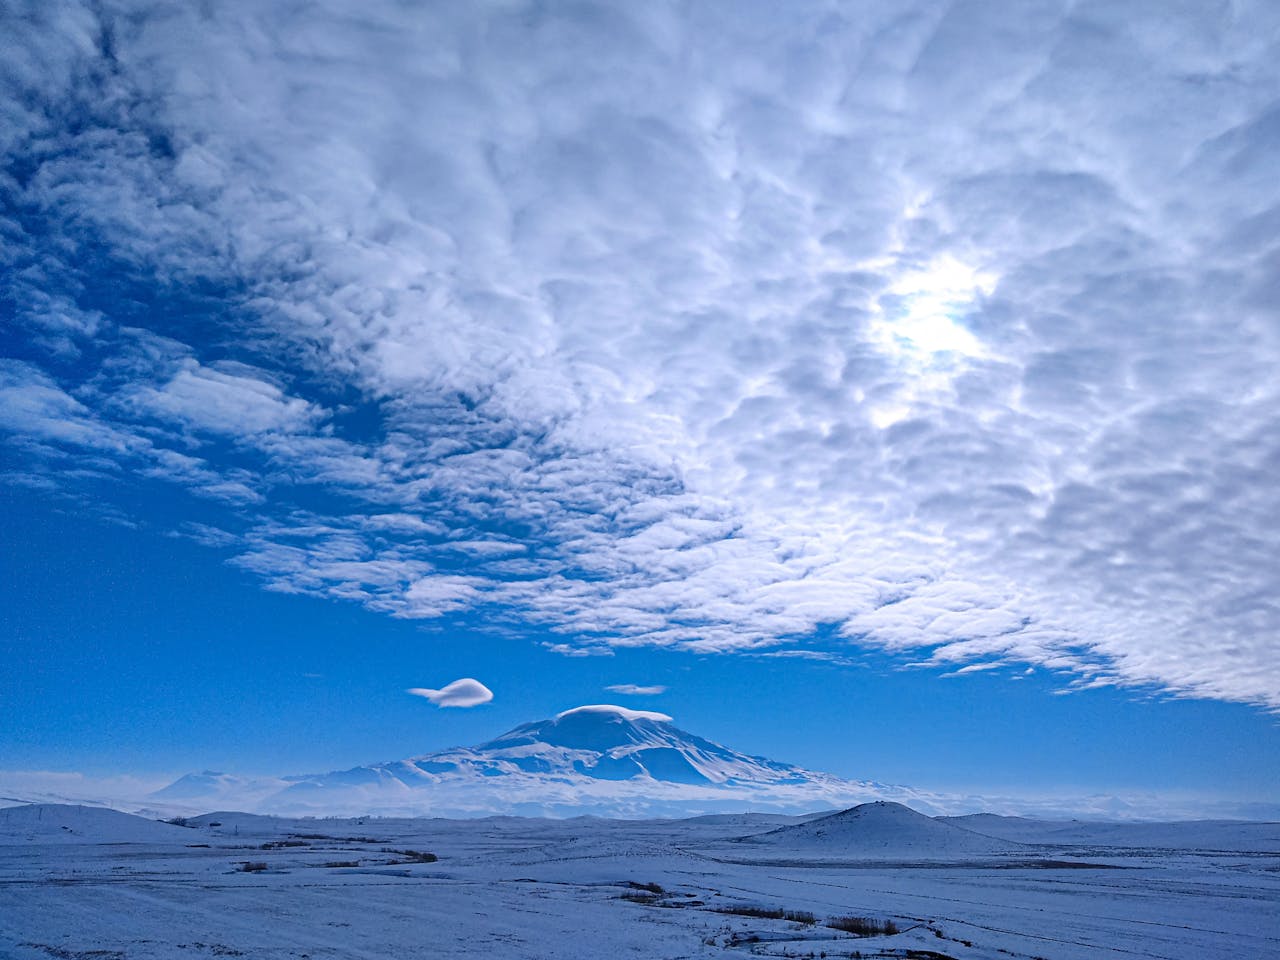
[569, 650]
[974, 668]
[635, 690]
[979, 667]
[461, 693]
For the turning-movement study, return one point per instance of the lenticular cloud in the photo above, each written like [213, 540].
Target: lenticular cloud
[461, 693]
[918, 327]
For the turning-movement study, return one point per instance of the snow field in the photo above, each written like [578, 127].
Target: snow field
[589, 888]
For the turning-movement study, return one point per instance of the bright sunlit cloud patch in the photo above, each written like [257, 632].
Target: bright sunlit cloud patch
[921, 314]
[919, 324]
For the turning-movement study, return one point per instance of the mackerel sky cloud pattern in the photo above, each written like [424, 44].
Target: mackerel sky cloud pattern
[928, 327]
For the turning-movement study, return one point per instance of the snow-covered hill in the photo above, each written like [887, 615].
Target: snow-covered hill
[64, 823]
[878, 830]
[599, 759]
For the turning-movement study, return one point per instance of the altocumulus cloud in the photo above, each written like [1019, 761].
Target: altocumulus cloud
[461, 693]
[946, 330]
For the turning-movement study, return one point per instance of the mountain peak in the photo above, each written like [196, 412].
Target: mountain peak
[599, 727]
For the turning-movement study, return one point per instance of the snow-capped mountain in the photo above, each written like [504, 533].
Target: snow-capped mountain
[612, 743]
[597, 759]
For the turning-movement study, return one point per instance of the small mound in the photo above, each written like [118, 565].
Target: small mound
[879, 830]
[65, 823]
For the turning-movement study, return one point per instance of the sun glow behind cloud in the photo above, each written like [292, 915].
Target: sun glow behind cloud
[919, 321]
[925, 310]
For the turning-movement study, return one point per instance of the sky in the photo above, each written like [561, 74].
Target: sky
[889, 388]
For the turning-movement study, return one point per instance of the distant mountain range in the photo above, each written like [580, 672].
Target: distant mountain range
[601, 759]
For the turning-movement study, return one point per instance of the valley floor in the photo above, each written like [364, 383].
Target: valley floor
[607, 889]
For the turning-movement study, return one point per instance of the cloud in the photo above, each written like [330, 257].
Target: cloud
[235, 403]
[663, 326]
[461, 693]
[623, 712]
[578, 651]
[633, 690]
[49, 786]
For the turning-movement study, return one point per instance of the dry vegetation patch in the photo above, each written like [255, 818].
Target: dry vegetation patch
[864, 926]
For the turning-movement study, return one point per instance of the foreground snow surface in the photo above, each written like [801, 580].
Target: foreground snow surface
[77, 885]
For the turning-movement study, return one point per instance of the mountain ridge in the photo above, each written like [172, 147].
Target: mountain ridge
[598, 759]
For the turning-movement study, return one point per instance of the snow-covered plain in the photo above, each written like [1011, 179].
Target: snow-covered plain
[87, 884]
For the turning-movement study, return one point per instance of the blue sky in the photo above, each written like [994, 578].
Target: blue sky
[894, 386]
[164, 660]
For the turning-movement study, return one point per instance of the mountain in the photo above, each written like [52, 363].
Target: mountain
[613, 743]
[878, 830]
[598, 759]
[206, 786]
